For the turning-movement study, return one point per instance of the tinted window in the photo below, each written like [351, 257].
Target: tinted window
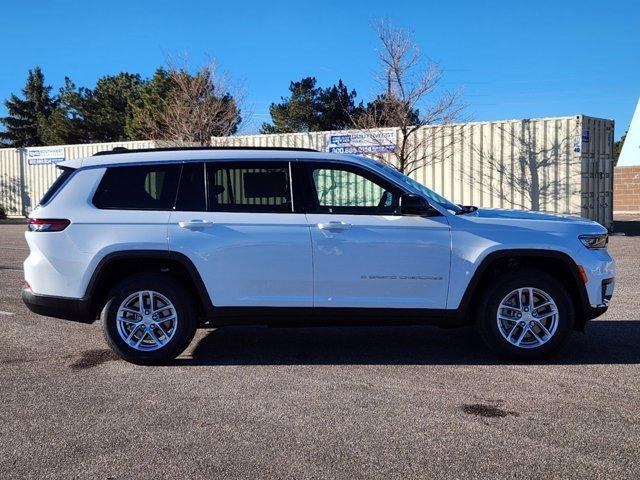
[342, 190]
[53, 189]
[146, 187]
[256, 187]
[191, 196]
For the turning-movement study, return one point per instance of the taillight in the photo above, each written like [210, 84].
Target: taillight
[47, 224]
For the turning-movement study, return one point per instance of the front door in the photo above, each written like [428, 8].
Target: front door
[365, 254]
[236, 223]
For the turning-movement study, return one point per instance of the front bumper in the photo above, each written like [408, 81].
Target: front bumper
[600, 269]
[590, 311]
[73, 309]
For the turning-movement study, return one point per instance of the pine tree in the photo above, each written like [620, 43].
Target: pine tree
[25, 115]
[148, 105]
[107, 107]
[64, 125]
[311, 108]
[337, 108]
[617, 147]
[85, 115]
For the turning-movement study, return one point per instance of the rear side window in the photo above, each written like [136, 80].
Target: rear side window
[57, 185]
[258, 187]
[191, 194]
[145, 187]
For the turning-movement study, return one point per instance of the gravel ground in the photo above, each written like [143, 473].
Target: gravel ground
[413, 402]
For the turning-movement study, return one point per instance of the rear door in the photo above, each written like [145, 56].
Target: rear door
[236, 222]
[365, 253]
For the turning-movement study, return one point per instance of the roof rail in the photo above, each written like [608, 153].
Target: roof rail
[117, 150]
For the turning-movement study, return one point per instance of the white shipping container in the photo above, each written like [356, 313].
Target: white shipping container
[560, 164]
[22, 184]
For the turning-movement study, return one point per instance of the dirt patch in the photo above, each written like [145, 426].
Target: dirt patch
[487, 411]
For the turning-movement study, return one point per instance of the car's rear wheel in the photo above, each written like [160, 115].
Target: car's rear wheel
[526, 315]
[148, 319]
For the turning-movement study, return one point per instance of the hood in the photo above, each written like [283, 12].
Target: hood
[526, 220]
[528, 215]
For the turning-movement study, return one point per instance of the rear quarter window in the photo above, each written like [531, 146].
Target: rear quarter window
[143, 187]
[57, 185]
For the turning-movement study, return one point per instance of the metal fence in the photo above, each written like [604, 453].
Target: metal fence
[559, 164]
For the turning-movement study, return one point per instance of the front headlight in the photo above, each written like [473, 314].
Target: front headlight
[595, 241]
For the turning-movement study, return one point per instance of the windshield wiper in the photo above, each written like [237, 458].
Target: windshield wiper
[466, 209]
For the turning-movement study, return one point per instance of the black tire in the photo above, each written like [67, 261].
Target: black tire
[184, 331]
[500, 287]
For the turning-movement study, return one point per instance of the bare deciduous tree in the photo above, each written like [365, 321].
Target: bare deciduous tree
[198, 106]
[411, 98]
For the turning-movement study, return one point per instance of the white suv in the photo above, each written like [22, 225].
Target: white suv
[160, 242]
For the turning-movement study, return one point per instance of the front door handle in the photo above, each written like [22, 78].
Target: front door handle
[195, 224]
[334, 226]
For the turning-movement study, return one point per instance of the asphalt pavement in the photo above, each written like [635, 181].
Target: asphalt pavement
[253, 402]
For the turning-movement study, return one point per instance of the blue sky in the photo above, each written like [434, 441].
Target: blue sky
[513, 59]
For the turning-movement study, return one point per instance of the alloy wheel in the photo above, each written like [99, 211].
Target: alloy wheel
[527, 317]
[146, 320]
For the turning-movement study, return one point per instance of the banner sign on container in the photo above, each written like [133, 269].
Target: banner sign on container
[362, 142]
[45, 155]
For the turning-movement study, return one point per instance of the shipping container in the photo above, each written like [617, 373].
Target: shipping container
[25, 180]
[560, 164]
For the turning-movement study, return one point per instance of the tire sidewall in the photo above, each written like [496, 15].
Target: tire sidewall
[185, 328]
[494, 295]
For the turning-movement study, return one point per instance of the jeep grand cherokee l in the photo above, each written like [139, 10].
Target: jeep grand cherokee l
[160, 242]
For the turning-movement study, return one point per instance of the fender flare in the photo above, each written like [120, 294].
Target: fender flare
[182, 259]
[583, 305]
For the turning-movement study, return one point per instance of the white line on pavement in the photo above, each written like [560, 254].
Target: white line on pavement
[6, 313]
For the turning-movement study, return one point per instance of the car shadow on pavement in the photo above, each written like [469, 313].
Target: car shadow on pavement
[605, 342]
[631, 228]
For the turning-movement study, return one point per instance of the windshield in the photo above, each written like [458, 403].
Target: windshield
[429, 194]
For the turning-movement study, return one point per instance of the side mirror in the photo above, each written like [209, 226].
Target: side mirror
[411, 204]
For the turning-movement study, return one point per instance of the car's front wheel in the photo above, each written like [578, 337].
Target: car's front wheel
[525, 314]
[148, 319]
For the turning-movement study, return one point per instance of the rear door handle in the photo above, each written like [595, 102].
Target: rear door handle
[334, 226]
[195, 224]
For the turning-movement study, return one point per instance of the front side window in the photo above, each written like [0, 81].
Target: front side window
[343, 190]
[144, 187]
[430, 195]
[249, 187]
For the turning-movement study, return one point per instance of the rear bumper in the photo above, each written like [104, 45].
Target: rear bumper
[73, 309]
